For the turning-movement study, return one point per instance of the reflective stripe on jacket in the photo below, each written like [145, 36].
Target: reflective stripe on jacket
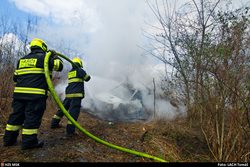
[30, 77]
[30, 90]
[76, 78]
[75, 95]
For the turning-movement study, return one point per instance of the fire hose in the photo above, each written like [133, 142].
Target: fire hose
[76, 124]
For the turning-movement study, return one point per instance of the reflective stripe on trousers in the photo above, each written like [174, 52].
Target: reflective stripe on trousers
[29, 131]
[56, 117]
[13, 127]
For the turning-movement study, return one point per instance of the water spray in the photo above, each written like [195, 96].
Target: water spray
[76, 124]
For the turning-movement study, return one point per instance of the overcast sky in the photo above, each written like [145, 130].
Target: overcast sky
[105, 33]
[102, 30]
[108, 32]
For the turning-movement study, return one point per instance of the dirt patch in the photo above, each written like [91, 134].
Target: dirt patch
[160, 139]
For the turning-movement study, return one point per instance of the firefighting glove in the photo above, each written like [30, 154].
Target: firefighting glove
[53, 53]
[87, 78]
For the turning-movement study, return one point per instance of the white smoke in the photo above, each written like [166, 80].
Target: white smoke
[107, 35]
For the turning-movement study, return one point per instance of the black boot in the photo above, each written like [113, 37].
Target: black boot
[37, 145]
[70, 130]
[55, 123]
[10, 138]
[30, 141]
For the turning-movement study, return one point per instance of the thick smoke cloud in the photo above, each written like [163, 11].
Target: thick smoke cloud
[107, 35]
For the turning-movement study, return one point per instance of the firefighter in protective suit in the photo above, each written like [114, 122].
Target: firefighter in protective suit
[74, 95]
[30, 95]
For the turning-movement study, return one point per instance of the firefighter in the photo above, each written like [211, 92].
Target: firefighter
[74, 95]
[30, 94]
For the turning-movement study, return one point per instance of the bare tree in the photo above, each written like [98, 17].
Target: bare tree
[209, 50]
[11, 48]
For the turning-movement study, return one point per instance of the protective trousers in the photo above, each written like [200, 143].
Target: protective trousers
[26, 115]
[73, 105]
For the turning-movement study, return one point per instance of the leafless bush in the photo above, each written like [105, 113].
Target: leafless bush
[210, 55]
[11, 49]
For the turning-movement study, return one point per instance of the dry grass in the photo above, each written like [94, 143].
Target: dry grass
[173, 140]
[170, 140]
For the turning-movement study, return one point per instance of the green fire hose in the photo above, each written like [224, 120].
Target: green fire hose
[76, 124]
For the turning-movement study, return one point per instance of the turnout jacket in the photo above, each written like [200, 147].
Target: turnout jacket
[29, 75]
[76, 78]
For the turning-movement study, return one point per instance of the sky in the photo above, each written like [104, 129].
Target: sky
[106, 34]
[9, 9]
[94, 28]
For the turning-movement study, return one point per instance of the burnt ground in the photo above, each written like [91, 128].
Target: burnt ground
[169, 140]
